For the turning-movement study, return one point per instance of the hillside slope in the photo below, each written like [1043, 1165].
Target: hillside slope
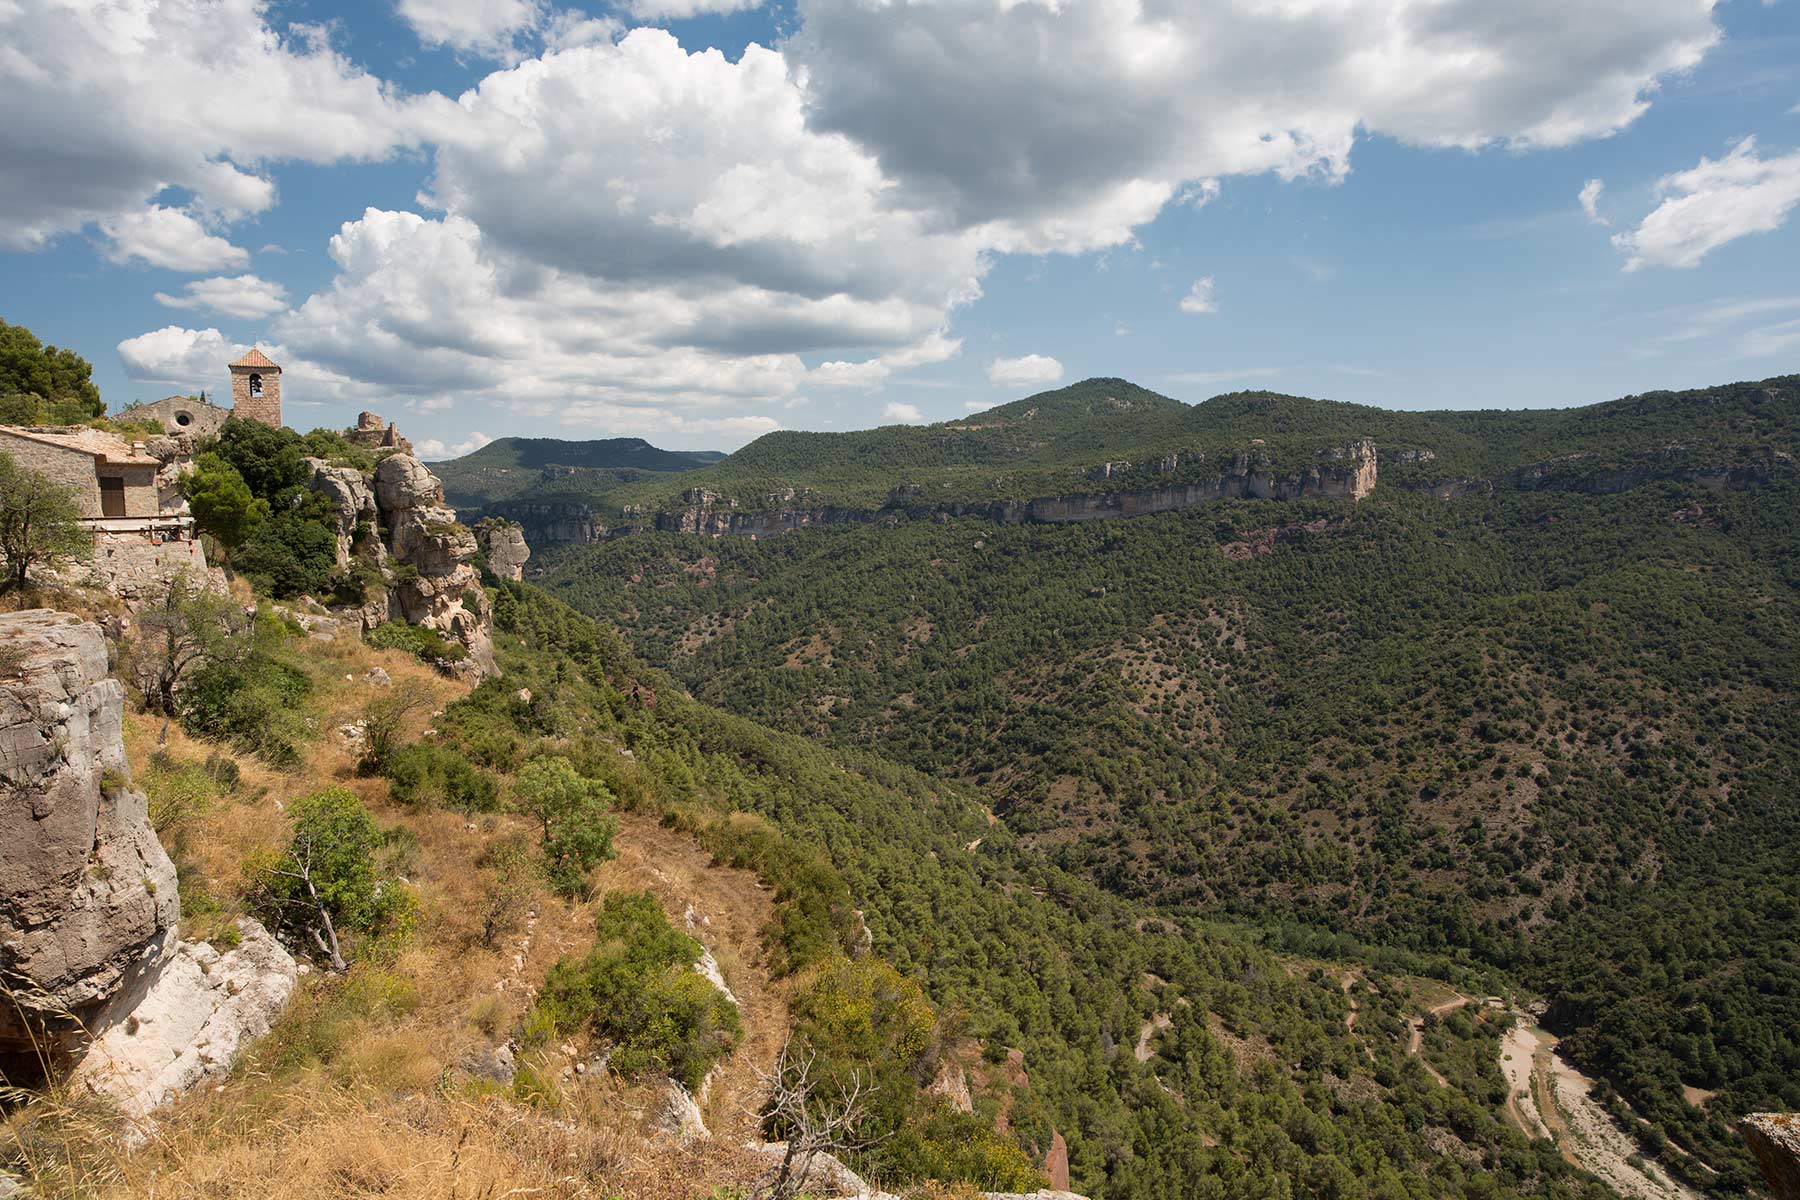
[1547, 725]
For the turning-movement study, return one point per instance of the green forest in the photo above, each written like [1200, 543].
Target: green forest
[1542, 736]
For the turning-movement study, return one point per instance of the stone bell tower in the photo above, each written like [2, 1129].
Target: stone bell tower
[256, 389]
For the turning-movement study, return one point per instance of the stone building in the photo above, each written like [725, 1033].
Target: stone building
[111, 478]
[128, 497]
[181, 414]
[372, 433]
[256, 389]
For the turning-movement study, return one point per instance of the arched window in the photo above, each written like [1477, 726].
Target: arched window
[256, 385]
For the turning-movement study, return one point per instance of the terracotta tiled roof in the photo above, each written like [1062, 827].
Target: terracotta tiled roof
[256, 358]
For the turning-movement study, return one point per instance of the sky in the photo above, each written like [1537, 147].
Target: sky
[696, 221]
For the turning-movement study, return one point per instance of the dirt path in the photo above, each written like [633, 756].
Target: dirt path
[1417, 1039]
[729, 909]
[1152, 1027]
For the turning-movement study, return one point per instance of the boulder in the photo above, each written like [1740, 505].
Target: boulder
[402, 482]
[88, 904]
[200, 1008]
[680, 1115]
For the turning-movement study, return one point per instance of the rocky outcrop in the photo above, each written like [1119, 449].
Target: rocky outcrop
[504, 544]
[199, 1009]
[88, 900]
[352, 500]
[1774, 1140]
[435, 583]
[555, 523]
[87, 897]
[1586, 474]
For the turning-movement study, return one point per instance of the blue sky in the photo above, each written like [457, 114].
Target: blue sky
[492, 217]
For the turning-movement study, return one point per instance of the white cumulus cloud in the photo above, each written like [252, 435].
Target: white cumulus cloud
[1590, 201]
[1202, 298]
[1170, 94]
[245, 296]
[1715, 202]
[668, 10]
[909, 413]
[435, 450]
[168, 237]
[109, 104]
[1030, 371]
[483, 26]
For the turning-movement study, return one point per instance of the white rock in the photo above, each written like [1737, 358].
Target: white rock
[200, 1009]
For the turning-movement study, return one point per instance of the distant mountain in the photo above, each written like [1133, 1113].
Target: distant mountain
[1105, 436]
[513, 466]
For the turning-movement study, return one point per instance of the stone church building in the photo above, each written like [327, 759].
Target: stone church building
[255, 396]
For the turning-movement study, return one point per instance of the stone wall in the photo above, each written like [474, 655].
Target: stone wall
[64, 466]
[180, 414]
[133, 565]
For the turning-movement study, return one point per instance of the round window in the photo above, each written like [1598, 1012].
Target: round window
[182, 418]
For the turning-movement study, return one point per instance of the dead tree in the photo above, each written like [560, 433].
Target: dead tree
[816, 1123]
[324, 933]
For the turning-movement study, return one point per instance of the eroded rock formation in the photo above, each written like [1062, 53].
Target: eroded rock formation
[1774, 1139]
[504, 544]
[200, 1008]
[396, 523]
[87, 896]
[442, 591]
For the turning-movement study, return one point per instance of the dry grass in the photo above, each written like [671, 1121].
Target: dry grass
[357, 1092]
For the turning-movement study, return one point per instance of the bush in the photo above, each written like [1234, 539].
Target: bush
[329, 864]
[637, 987]
[428, 774]
[252, 705]
[425, 644]
[572, 812]
[290, 555]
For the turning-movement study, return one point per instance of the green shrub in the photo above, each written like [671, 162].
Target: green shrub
[574, 817]
[428, 774]
[253, 704]
[290, 555]
[332, 854]
[638, 989]
[427, 645]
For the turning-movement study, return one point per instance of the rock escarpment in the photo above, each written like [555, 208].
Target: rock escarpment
[419, 559]
[88, 901]
[1774, 1140]
[1343, 473]
[87, 896]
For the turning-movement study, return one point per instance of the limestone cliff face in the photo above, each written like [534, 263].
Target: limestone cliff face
[88, 900]
[397, 522]
[1586, 475]
[554, 523]
[1345, 473]
[87, 896]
